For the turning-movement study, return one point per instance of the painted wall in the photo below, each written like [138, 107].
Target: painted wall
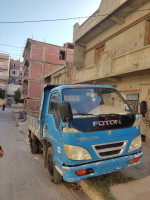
[11, 88]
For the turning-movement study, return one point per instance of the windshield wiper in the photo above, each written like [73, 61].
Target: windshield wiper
[111, 114]
[84, 114]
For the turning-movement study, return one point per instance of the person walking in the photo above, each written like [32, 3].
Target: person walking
[3, 107]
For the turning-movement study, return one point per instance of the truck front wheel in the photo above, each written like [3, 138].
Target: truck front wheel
[55, 176]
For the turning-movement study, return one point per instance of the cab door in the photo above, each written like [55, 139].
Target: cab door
[52, 127]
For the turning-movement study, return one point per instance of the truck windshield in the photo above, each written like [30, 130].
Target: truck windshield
[95, 101]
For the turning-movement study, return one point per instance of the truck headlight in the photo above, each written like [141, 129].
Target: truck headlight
[136, 144]
[77, 153]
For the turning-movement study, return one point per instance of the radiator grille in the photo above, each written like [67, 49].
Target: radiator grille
[110, 149]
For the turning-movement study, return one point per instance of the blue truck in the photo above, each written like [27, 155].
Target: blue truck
[85, 131]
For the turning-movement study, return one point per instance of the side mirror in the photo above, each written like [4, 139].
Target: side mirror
[65, 112]
[143, 108]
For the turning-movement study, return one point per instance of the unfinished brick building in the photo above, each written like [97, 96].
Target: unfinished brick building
[41, 58]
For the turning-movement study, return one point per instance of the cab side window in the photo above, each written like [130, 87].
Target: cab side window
[53, 108]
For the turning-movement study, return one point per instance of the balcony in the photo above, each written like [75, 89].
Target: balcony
[26, 72]
[24, 93]
[3, 67]
[25, 75]
[27, 54]
[26, 63]
[108, 66]
[4, 56]
[132, 62]
[3, 78]
[3, 87]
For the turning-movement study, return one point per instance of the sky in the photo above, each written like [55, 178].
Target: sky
[54, 32]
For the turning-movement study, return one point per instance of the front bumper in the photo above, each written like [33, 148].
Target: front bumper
[99, 168]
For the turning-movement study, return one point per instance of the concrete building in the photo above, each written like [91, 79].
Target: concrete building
[4, 73]
[39, 59]
[15, 74]
[4, 70]
[63, 75]
[10, 90]
[15, 78]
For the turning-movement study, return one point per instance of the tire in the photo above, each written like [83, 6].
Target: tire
[33, 146]
[55, 176]
[40, 148]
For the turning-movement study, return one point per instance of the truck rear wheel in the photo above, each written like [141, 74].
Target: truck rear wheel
[33, 146]
[40, 148]
[55, 176]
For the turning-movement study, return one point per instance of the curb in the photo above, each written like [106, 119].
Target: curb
[90, 192]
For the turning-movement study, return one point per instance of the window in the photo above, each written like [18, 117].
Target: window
[13, 72]
[62, 55]
[147, 33]
[133, 100]
[14, 65]
[53, 108]
[98, 52]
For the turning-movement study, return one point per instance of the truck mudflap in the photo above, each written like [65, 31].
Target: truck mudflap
[101, 167]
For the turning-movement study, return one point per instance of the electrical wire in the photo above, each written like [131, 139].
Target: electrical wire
[8, 45]
[66, 19]
[50, 20]
[9, 53]
[36, 50]
[21, 55]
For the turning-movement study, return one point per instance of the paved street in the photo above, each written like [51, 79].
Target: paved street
[22, 175]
